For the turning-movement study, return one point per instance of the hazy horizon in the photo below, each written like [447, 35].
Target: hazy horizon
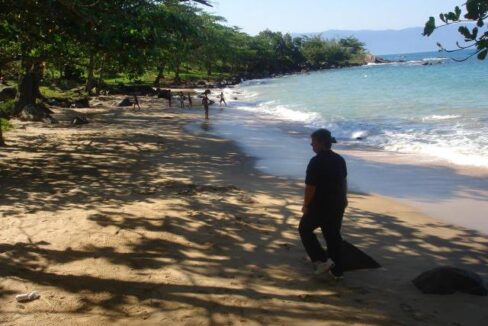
[309, 16]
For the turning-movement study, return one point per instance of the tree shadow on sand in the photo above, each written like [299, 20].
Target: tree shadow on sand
[216, 229]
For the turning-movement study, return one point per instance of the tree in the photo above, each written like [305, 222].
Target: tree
[40, 31]
[81, 32]
[476, 11]
[214, 42]
[314, 50]
[183, 37]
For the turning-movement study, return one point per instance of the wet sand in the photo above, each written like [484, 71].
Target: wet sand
[133, 219]
[450, 193]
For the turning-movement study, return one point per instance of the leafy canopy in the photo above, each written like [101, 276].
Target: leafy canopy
[476, 11]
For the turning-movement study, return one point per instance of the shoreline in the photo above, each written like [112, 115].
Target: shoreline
[446, 191]
[133, 219]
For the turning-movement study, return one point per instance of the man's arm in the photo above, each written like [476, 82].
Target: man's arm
[344, 186]
[307, 198]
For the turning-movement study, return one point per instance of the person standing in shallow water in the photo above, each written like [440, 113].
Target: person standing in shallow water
[205, 102]
[324, 203]
[182, 100]
[222, 99]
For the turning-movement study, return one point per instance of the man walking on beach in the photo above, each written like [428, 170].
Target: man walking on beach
[324, 203]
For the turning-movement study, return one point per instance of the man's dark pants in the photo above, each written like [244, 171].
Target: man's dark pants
[329, 221]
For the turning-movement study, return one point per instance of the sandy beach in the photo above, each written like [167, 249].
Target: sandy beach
[133, 219]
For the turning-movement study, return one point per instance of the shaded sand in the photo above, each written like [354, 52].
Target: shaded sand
[131, 219]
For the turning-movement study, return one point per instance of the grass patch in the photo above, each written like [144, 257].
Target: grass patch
[57, 93]
[149, 77]
[7, 106]
[5, 125]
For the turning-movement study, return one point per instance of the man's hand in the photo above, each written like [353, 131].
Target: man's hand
[307, 198]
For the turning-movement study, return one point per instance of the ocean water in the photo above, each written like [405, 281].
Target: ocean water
[428, 105]
[415, 131]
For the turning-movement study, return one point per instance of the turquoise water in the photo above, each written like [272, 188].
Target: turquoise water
[437, 113]
[428, 105]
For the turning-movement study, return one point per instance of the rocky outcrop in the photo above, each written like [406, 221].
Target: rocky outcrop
[83, 102]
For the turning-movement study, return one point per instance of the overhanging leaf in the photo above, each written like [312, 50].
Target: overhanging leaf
[482, 54]
[429, 27]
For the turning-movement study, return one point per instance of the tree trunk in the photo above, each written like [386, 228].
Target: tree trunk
[160, 76]
[177, 73]
[100, 78]
[99, 84]
[90, 80]
[209, 70]
[28, 86]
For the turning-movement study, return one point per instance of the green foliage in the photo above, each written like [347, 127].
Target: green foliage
[320, 53]
[7, 106]
[57, 93]
[5, 109]
[5, 125]
[476, 11]
[124, 41]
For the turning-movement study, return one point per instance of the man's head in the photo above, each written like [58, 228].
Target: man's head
[322, 140]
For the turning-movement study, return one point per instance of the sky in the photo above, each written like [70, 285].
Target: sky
[305, 16]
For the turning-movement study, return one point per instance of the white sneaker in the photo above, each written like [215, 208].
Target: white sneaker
[335, 275]
[321, 267]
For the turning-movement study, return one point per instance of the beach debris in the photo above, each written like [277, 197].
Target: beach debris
[246, 199]
[285, 245]
[26, 297]
[448, 280]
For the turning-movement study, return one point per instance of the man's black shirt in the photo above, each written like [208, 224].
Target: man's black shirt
[327, 172]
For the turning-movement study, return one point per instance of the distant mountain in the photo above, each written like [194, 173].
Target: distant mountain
[407, 40]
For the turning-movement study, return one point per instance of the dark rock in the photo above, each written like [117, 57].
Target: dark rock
[125, 102]
[81, 103]
[139, 90]
[448, 280]
[7, 93]
[44, 108]
[142, 90]
[381, 60]
[164, 93]
[79, 121]
[69, 103]
[50, 119]
[56, 102]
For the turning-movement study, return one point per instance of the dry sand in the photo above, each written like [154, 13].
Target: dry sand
[130, 219]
